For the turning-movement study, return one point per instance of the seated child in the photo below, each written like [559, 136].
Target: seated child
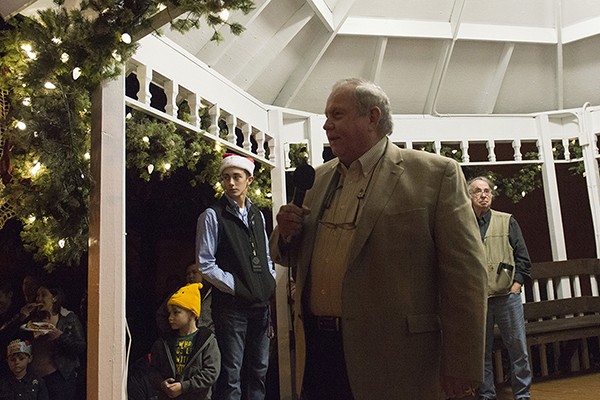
[186, 364]
[21, 385]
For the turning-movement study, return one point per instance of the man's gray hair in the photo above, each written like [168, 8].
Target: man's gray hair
[367, 95]
[484, 179]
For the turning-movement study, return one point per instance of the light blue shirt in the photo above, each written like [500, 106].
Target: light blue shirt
[207, 234]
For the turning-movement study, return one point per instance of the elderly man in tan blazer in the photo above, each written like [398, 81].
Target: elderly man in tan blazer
[389, 266]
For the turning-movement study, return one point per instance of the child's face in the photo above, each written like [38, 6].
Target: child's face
[180, 317]
[18, 362]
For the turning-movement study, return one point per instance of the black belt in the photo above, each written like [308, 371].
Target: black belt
[328, 324]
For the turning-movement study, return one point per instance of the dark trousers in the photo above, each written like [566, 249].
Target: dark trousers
[325, 375]
[59, 388]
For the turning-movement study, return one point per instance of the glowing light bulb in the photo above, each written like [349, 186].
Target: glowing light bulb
[64, 57]
[150, 168]
[36, 168]
[32, 55]
[523, 193]
[87, 156]
[27, 47]
[50, 85]
[126, 38]
[21, 125]
[31, 219]
[27, 101]
[116, 55]
[146, 139]
[218, 184]
[269, 195]
[129, 116]
[61, 243]
[167, 166]
[257, 191]
[161, 7]
[217, 147]
[76, 73]
[223, 14]
[56, 40]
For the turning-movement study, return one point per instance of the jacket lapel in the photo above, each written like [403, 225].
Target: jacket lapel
[383, 188]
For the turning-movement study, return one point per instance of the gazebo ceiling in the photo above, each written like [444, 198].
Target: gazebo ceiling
[431, 56]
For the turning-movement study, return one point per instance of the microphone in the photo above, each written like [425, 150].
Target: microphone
[303, 179]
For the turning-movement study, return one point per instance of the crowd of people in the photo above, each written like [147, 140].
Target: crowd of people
[42, 342]
[394, 258]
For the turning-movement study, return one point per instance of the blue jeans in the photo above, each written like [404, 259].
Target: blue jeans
[242, 338]
[507, 313]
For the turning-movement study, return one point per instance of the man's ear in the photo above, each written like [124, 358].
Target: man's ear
[374, 117]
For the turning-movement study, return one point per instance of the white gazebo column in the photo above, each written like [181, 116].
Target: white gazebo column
[587, 140]
[106, 264]
[555, 224]
[283, 315]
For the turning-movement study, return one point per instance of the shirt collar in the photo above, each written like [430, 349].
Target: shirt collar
[368, 160]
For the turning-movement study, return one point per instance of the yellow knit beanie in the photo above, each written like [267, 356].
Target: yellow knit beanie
[188, 297]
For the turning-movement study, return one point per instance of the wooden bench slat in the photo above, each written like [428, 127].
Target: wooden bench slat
[561, 307]
[555, 269]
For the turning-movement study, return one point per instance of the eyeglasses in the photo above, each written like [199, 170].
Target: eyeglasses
[347, 226]
[480, 192]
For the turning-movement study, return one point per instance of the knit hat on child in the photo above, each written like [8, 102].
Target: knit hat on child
[18, 346]
[188, 297]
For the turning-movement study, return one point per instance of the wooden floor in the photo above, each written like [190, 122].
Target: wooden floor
[582, 387]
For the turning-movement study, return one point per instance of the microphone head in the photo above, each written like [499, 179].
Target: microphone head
[304, 177]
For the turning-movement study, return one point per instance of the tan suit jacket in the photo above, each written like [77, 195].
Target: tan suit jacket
[414, 294]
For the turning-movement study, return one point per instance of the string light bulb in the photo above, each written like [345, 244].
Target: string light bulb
[76, 73]
[27, 101]
[36, 168]
[21, 125]
[167, 166]
[50, 85]
[61, 243]
[87, 156]
[150, 168]
[126, 38]
[223, 15]
[64, 57]
[146, 139]
[31, 219]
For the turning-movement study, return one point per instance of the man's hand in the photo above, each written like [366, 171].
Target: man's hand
[516, 287]
[289, 220]
[456, 388]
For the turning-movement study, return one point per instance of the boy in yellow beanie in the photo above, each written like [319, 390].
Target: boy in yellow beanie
[186, 364]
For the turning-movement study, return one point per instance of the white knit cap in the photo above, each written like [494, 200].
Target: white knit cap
[233, 160]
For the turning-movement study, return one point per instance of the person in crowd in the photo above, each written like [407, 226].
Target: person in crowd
[9, 321]
[233, 254]
[192, 275]
[58, 344]
[508, 266]
[185, 365]
[30, 285]
[388, 264]
[21, 384]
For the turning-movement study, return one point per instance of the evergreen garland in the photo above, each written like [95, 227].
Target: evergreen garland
[49, 66]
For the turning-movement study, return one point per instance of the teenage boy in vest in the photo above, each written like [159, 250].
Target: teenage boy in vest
[508, 266]
[233, 254]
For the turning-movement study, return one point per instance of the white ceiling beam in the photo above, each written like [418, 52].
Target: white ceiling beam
[8, 8]
[295, 81]
[560, 89]
[375, 72]
[507, 33]
[581, 30]
[322, 10]
[211, 52]
[310, 60]
[255, 66]
[395, 28]
[442, 30]
[340, 13]
[496, 83]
